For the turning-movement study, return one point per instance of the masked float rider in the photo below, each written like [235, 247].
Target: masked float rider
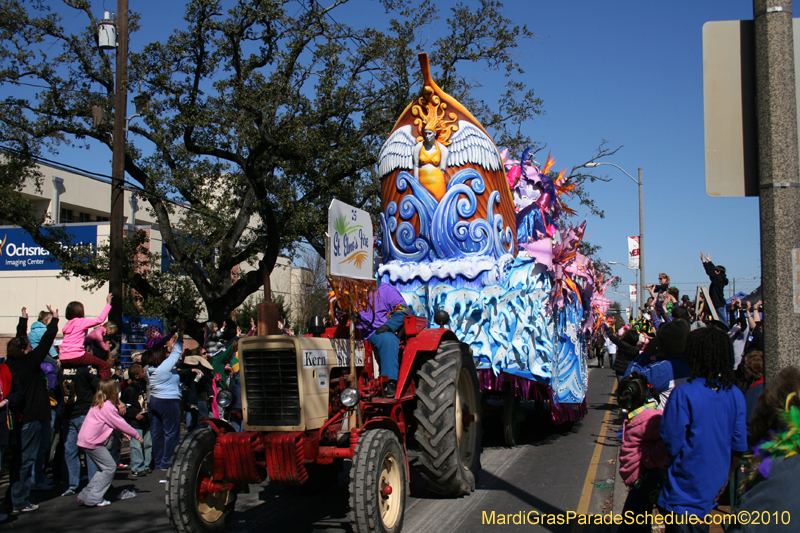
[380, 328]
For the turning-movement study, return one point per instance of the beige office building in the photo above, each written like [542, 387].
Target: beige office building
[28, 276]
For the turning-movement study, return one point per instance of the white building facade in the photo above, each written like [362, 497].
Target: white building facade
[30, 276]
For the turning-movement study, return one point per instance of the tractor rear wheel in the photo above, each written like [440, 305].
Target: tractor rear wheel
[378, 483]
[187, 509]
[449, 420]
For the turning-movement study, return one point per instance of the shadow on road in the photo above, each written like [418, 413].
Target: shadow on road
[283, 509]
[528, 500]
[538, 428]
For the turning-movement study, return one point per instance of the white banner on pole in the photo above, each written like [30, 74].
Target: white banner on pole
[349, 247]
[633, 292]
[633, 252]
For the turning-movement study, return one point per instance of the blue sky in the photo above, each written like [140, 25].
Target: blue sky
[628, 72]
[632, 73]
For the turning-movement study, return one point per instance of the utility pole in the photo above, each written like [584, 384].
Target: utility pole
[642, 280]
[779, 180]
[118, 165]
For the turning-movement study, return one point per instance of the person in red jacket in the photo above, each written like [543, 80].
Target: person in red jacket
[11, 400]
[643, 454]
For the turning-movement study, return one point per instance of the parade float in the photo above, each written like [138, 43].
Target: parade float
[466, 230]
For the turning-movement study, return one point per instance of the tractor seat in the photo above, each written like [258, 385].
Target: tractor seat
[414, 325]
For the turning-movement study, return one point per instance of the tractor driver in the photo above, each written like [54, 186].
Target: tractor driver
[380, 326]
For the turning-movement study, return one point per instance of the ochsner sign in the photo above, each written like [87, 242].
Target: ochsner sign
[18, 251]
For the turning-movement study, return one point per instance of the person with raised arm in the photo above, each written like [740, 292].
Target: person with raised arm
[26, 362]
[73, 346]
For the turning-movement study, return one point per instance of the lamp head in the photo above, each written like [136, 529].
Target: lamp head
[142, 103]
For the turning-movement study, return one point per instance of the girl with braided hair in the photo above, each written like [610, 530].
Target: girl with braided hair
[642, 455]
[710, 358]
[704, 430]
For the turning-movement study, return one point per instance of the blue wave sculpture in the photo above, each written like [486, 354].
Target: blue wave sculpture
[508, 324]
[445, 229]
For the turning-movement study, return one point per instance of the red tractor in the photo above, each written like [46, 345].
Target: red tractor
[303, 417]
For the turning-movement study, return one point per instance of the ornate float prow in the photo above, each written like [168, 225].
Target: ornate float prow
[428, 81]
[444, 190]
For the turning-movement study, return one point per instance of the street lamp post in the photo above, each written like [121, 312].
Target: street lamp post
[636, 271]
[640, 283]
[630, 303]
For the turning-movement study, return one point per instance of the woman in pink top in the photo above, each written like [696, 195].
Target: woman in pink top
[73, 351]
[101, 421]
[643, 454]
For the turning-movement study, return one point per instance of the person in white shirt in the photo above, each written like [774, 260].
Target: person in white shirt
[611, 349]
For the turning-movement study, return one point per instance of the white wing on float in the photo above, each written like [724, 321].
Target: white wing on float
[397, 151]
[470, 145]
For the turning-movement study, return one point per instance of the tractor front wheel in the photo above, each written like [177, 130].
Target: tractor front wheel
[449, 420]
[189, 509]
[378, 483]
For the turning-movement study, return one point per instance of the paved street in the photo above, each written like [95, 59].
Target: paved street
[546, 473]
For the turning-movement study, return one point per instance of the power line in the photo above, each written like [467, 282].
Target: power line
[59, 89]
[706, 281]
[107, 179]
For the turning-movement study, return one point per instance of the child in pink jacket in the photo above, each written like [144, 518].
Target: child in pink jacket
[73, 350]
[101, 421]
[643, 455]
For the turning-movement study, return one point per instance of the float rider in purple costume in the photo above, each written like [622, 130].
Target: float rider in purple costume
[380, 327]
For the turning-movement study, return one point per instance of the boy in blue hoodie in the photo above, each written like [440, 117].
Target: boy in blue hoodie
[38, 329]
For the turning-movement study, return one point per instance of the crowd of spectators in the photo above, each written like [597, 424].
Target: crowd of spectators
[697, 418]
[66, 420]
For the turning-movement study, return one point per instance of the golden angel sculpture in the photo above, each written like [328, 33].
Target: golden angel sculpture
[443, 187]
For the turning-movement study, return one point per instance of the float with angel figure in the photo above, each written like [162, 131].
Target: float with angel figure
[469, 231]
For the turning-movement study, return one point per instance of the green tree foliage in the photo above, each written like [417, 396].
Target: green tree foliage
[615, 310]
[261, 112]
[593, 251]
[249, 310]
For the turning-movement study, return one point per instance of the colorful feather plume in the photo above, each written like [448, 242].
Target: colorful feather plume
[539, 206]
[781, 444]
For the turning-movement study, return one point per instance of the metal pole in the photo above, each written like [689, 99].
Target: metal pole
[118, 165]
[641, 239]
[267, 311]
[779, 179]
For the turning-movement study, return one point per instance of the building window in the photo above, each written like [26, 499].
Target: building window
[66, 216]
[102, 219]
[84, 217]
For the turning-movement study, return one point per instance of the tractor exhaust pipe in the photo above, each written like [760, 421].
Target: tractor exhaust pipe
[267, 312]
